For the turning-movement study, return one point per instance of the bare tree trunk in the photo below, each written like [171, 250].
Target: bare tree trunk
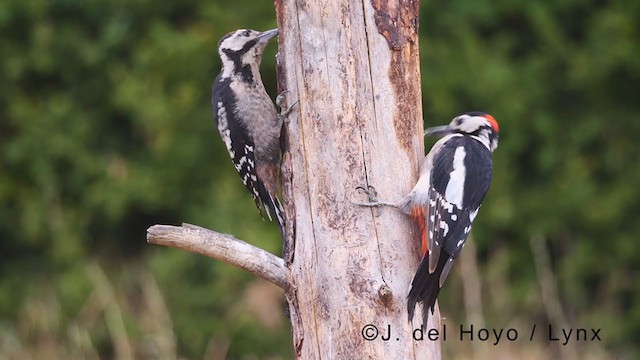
[354, 69]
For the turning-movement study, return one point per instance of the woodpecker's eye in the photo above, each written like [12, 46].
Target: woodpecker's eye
[245, 33]
[460, 121]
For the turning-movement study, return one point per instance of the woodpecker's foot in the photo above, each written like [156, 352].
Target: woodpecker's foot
[281, 101]
[372, 196]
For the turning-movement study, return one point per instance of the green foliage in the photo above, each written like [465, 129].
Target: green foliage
[106, 129]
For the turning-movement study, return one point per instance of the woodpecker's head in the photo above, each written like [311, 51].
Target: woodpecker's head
[481, 126]
[243, 48]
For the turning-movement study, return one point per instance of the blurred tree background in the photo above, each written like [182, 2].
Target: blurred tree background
[106, 129]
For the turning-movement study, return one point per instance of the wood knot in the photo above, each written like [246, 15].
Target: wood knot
[385, 294]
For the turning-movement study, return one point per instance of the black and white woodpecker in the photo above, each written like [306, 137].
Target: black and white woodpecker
[247, 118]
[454, 179]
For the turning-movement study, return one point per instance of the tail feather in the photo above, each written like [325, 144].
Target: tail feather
[278, 210]
[425, 288]
[271, 206]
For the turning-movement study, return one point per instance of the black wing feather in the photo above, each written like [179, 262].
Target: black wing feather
[447, 225]
[240, 146]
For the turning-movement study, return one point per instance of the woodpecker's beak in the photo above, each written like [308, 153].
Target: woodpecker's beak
[267, 35]
[438, 130]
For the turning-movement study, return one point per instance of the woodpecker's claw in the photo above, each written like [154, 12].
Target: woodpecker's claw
[281, 101]
[372, 194]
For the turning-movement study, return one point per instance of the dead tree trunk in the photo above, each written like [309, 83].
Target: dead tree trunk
[353, 68]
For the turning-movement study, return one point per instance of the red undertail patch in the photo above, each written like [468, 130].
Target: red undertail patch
[418, 214]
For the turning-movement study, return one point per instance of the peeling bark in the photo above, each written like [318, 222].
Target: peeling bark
[397, 21]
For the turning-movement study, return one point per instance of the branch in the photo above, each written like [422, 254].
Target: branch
[222, 247]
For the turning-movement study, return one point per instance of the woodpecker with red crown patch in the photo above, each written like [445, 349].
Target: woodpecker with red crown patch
[454, 179]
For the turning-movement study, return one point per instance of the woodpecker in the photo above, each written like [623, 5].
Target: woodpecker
[247, 118]
[454, 179]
